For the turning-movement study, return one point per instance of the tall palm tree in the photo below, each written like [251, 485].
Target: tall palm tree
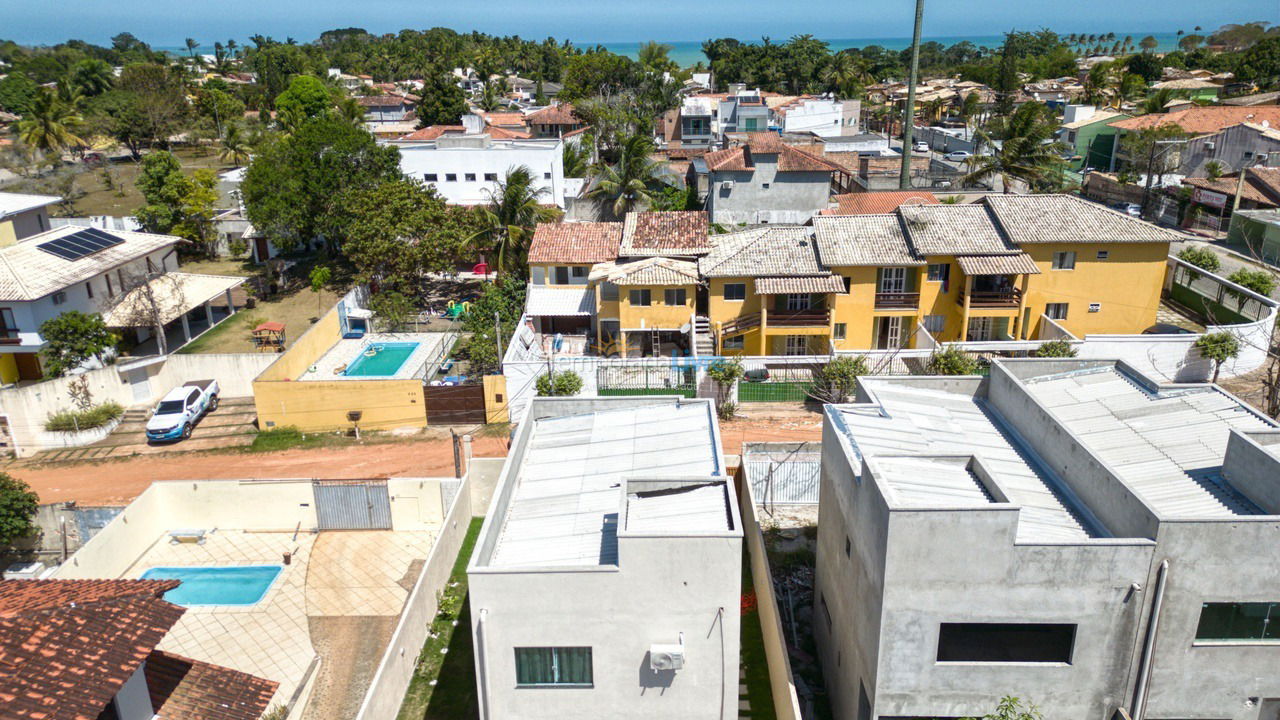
[490, 97]
[1028, 152]
[513, 212]
[49, 125]
[92, 76]
[351, 111]
[628, 183]
[235, 147]
[577, 159]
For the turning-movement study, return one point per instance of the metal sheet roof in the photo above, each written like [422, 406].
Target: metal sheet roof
[932, 482]
[697, 508]
[546, 301]
[1167, 446]
[918, 421]
[564, 508]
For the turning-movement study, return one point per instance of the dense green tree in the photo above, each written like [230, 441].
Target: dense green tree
[18, 506]
[443, 102]
[1148, 66]
[175, 203]
[276, 64]
[654, 58]
[1218, 347]
[71, 339]
[221, 107]
[158, 98]
[501, 302]
[17, 91]
[293, 182]
[395, 232]
[597, 73]
[1027, 150]
[1261, 63]
[234, 149]
[92, 76]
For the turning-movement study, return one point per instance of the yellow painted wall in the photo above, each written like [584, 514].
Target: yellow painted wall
[323, 405]
[313, 344]
[8, 368]
[721, 310]
[1127, 284]
[657, 314]
[8, 235]
[856, 309]
[495, 399]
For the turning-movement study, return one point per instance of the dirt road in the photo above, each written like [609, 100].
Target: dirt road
[116, 482]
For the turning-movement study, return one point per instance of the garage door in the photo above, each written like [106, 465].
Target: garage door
[352, 504]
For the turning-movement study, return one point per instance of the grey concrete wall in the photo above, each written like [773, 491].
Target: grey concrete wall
[1252, 466]
[792, 197]
[1228, 561]
[30, 222]
[852, 585]
[1121, 512]
[661, 587]
[1229, 148]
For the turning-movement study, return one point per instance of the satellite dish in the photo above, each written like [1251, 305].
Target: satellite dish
[685, 328]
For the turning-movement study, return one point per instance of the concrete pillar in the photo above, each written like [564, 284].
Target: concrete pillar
[1022, 323]
[231, 306]
[208, 312]
[622, 341]
[968, 297]
[186, 329]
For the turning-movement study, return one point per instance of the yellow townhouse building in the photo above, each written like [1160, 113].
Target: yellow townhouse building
[1005, 268]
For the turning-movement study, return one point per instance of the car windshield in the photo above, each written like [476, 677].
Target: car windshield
[169, 407]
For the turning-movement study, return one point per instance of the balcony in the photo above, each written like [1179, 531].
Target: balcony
[798, 318]
[1010, 298]
[10, 336]
[897, 301]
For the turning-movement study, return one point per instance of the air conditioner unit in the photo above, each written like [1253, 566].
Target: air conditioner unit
[666, 657]
[1095, 307]
[727, 185]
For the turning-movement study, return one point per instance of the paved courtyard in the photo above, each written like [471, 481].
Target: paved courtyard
[333, 574]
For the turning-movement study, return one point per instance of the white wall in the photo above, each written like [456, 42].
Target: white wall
[542, 157]
[820, 117]
[133, 702]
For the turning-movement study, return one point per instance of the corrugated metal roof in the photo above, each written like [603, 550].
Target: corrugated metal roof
[1167, 446]
[564, 508]
[784, 477]
[1020, 264]
[560, 301]
[932, 482]
[918, 421]
[697, 508]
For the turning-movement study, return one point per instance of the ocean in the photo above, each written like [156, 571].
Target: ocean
[686, 53]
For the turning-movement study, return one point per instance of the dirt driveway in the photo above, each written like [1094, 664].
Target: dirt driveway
[117, 481]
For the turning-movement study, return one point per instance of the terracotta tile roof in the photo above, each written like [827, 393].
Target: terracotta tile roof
[878, 203]
[186, 689]
[799, 285]
[557, 114]
[508, 118]
[1261, 185]
[762, 251]
[1030, 219]
[1020, 264]
[790, 159]
[647, 271]
[382, 101]
[672, 232]
[1201, 120]
[68, 646]
[575, 242]
[435, 131]
[862, 240]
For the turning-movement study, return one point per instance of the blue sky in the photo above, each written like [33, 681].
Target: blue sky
[164, 22]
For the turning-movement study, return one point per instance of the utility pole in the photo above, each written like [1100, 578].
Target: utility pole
[909, 112]
[497, 336]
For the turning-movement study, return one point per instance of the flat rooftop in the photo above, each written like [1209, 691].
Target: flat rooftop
[568, 492]
[919, 421]
[1166, 444]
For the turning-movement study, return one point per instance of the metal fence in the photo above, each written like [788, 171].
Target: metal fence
[647, 379]
[784, 473]
[1214, 295]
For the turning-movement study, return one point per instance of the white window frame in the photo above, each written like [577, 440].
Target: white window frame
[839, 331]
[725, 292]
[1050, 310]
[799, 301]
[1064, 260]
[934, 324]
[893, 280]
[796, 345]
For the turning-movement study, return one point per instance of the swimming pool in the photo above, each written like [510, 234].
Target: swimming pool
[232, 585]
[385, 361]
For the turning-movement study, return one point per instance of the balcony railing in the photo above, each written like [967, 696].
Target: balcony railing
[1010, 298]
[9, 336]
[897, 300]
[799, 318]
[740, 324]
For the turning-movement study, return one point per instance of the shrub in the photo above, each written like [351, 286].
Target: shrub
[724, 373]
[1218, 347]
[952, 361]
[561, 384]
[1055, 349]
[1259, 281]
[837, 381]
[18, 505]
[727, 410]
[76, 420]
[1203, 258]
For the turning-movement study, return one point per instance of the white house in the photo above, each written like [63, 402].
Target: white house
[607, 576]
[464, 166]
[94, 271]
[823, 117]
[23, 215]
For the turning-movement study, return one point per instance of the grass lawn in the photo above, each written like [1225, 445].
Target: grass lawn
[295, 309]
[754, 664]
[125, 198]
[444, 685]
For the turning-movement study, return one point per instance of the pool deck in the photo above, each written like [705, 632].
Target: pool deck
[344, 352]
[333, 574]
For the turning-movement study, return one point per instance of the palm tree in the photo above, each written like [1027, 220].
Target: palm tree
[351, 111]
[843, 74]
[490, 97]
[92, 76]
[192, 44]
[1156, 101]
[1028, 152]
[627, 184]
[510, 217]
[577, 159]
[235, 147]
[49, 124]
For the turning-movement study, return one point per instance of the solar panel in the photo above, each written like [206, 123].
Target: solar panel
[80, 243]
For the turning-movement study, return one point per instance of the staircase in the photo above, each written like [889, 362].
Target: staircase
[703, 342]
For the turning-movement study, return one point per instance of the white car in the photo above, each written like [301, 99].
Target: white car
[920, 146]
[958, 155]
[181, 408]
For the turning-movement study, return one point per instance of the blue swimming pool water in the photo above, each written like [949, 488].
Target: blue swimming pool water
[385, 361]
[239, 585]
